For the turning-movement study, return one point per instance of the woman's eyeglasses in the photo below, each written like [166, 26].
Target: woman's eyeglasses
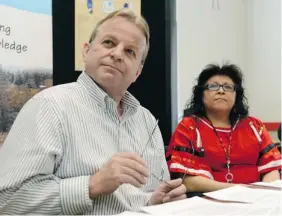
[216, 87]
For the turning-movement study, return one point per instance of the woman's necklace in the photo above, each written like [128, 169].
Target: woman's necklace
[229, 175]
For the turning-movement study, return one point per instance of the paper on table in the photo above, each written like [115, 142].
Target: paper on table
[200, 206]
[245, 194]
[176, 207]
[128, 213]
[277, 183]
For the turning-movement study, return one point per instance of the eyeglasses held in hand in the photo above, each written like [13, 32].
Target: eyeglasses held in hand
[160, 179]
[150, 137]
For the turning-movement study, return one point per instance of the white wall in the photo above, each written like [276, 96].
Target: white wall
[263, 75]
[245, 32]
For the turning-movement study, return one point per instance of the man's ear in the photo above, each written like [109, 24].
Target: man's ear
[138, 72]
[85, 50]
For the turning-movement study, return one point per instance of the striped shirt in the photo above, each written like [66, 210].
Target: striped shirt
[65, 134]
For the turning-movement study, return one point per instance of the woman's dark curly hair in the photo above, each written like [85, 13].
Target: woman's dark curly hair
[196, 106]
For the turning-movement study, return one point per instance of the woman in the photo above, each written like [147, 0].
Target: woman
[217, 145]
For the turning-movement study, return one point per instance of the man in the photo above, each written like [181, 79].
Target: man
[89, 147]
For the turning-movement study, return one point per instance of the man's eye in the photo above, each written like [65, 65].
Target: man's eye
[131, 52]
[108, 43]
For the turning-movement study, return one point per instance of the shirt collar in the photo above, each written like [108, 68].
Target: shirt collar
[128, 100]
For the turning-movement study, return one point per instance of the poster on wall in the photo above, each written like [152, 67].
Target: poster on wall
[26, 58]
[88, 13]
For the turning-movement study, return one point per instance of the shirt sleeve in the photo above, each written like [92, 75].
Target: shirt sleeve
[183, 155]
[269, 156]
[29, 157]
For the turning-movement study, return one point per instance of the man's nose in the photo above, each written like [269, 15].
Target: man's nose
[118, 53]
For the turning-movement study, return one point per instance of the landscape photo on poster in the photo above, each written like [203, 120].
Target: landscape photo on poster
[88, 13]
[26, 63]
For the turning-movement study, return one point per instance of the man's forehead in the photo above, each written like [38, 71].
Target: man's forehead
[117, 19]
[122, 24]
[111, 29]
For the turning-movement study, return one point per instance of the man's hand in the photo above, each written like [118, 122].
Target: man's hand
[123, 168]
[166, 192]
